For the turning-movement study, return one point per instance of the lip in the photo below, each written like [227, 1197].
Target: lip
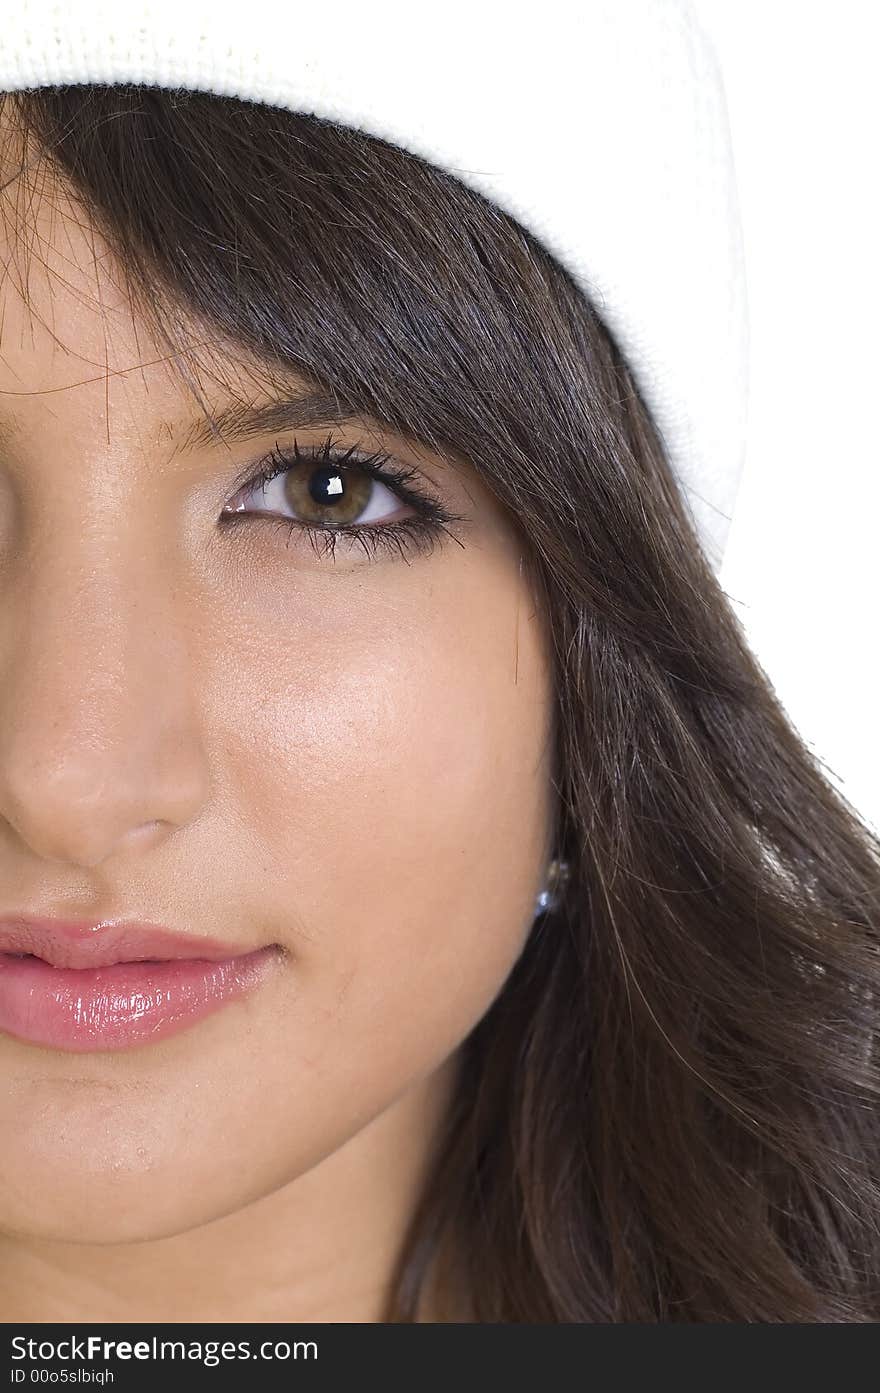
[115, 985]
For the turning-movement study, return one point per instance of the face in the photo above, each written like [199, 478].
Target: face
[230, 732]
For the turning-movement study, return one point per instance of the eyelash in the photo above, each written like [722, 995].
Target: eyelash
[419, 533]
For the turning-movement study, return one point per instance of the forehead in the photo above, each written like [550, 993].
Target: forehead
[72, 336]
[79, 358]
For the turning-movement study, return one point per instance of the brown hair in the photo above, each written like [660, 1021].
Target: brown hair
[670, 1111]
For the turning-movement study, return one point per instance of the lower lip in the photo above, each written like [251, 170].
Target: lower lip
[117, 1007]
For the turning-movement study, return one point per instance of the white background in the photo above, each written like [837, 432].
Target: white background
[803, 566]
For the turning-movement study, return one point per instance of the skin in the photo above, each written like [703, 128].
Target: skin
[227, 735]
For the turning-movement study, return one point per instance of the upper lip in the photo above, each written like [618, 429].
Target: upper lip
[80, 943]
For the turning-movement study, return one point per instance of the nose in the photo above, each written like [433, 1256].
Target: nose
[99, 740]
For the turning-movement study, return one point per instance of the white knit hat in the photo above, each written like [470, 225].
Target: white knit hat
[600, 125]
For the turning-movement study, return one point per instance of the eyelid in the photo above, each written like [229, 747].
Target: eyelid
[378, 463]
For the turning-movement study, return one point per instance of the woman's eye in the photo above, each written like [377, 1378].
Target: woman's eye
[320, 495]
[328, 495]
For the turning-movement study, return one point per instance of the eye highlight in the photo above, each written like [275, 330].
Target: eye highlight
[344, 494]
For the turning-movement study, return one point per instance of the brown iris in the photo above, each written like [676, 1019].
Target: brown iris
[327, 493]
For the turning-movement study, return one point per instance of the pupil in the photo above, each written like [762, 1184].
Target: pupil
[325, 485]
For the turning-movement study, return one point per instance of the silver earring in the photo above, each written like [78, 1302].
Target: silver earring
[557, 879]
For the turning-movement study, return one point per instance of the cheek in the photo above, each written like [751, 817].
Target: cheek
[380, 751]
[394, 786]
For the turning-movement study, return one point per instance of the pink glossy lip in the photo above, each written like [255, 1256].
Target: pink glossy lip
[112, 986]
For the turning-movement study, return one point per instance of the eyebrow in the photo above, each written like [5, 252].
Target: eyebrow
[239, 421]
[294, 410]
